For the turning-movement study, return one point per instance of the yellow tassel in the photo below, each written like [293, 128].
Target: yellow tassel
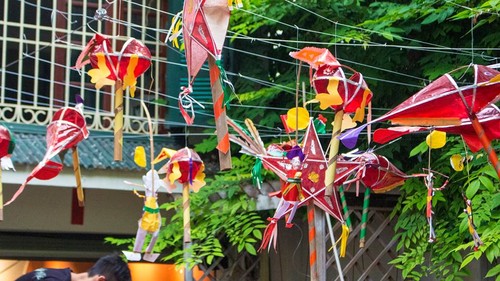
[138, 195]
[343, 239]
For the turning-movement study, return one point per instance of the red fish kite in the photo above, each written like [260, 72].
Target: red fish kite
[446, 102]
[489, 118]
[120, 69]
[7, 145]
[65, 131]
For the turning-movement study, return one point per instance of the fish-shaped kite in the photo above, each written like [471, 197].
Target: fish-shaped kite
[7, 145]
[446, 102]
[67, 128]
[489, 118]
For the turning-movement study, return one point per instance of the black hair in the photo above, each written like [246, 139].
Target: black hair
[113, 267]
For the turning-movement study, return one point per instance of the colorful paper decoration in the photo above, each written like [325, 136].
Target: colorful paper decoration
[470, 223]
[204, 27]
[65, 131]
[429, 183]
[186, 168]
[7, 145]
[333, 89]
[150, 222]
[489, 118]
[120, 69]
[445, 103]
[311, 171]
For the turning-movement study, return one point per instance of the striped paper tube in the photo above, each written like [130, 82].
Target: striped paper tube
[223, 144]
[312, 241]
[345, 209]
[187, 230]
[364, 218]
[492, 156]
[186, 213]
[118, 121]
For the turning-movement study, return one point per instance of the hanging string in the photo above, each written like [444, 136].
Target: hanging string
[372, 31]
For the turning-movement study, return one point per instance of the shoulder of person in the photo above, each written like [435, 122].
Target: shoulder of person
[47, 274]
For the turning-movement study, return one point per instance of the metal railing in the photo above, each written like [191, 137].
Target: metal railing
[40, 42]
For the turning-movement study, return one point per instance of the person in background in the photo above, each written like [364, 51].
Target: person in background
[108, 268]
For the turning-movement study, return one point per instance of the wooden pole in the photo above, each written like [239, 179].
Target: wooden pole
[223, 144]
[118, 121]
[78, 177]
[312, 241]
[319, 222]
[188, 274]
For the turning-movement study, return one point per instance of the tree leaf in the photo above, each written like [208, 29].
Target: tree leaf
[250, 249]
[487, 183]
[494, 271]
[472, 189]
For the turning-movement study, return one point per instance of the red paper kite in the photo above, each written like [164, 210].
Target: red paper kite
[489, 118]
[65, 131]
[204, 27]
[7, 145]
[445, 102]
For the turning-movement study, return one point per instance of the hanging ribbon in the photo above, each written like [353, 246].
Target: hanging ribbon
[186, 104]
[227, 86]
[470, 223]
[257, 173]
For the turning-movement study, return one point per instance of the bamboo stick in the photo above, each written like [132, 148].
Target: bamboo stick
[78, 178]
[223, 144]
[118, 121]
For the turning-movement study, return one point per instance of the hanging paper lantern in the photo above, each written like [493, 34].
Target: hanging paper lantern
[108, 66]
[185, 167]
[333, 88]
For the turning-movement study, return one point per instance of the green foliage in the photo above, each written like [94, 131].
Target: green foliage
[447, 258]
[222, 215]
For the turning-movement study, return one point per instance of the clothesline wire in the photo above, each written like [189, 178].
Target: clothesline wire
[266, 57]
[434, 47]
[293, 63]
[371, 31]
[255, 80]
[132, 26]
